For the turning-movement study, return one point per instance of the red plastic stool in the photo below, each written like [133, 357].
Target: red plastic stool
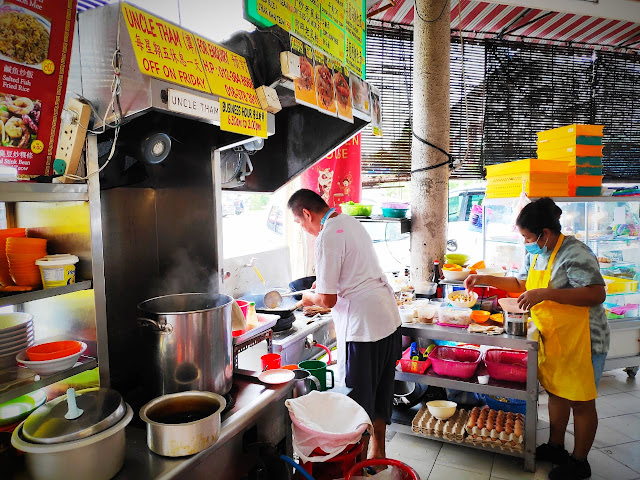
[335, 468]
[408, 473]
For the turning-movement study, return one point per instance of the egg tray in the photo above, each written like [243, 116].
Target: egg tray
[511, 447]
[452, 429]
[486, 436]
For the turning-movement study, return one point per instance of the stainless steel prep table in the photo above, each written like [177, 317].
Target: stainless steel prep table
[527, 392]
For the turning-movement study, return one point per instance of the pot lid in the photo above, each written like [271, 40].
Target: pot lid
[72, 417]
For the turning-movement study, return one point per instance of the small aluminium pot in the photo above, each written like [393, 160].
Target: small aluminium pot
[516, 323]
[183, 423]
[304, 383]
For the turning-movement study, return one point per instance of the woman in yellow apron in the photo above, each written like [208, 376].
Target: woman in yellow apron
[564, 291]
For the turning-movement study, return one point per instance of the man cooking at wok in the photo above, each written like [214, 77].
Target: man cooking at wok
[351, 283]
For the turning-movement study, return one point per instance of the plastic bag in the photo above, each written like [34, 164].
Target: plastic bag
[327, 421]
[522, 202]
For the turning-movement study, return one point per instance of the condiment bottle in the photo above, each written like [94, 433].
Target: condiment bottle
[252, 316]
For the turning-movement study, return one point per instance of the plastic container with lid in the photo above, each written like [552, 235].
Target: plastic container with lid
[57, 270]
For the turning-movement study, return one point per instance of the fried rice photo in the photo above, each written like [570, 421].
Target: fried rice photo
[23, 38]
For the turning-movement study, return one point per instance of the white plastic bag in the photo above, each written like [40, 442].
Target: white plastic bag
[522, 202]
[326, 420]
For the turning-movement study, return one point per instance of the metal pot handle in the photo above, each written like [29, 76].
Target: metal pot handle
[314, 380]
[165, 328]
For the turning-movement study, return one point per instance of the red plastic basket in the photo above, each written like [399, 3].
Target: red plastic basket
[455, 361]
[413, 366]
[508, 365]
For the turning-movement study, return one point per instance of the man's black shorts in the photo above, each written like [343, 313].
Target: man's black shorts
[370, 371]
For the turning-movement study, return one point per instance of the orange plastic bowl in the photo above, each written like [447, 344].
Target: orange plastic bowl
[53, 350]
[480, 316]
[290, 367]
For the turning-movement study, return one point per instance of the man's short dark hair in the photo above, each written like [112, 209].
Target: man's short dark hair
[308, 199]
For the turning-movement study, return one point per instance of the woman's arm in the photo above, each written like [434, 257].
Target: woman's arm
[588, 296]
[508, 284]
[320, 299]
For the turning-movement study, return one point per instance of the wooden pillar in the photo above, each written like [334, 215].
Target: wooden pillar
[429, 188]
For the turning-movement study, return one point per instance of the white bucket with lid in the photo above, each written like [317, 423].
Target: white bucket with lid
[58, 270]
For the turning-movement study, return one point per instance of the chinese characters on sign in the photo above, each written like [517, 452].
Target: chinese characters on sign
[238, 118]
[34, 60]
[337, 27]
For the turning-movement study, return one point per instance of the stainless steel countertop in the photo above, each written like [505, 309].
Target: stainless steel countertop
[302, 327]
[252, 400]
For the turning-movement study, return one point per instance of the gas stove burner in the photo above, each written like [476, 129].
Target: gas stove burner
[284, 333]
[230, 398]
[284, 323]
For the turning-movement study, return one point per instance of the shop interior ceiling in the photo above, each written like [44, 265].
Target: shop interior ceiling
[484, 20]
[302, 137]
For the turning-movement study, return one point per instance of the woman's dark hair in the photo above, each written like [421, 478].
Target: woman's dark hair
[308, 199]
[538, 215]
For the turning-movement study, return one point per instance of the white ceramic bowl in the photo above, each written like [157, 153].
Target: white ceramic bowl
[49, 367]
[442, 409]
[493, 271]
[456, 276]
[459, 304]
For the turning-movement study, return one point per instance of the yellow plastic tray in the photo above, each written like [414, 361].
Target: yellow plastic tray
[513, 189]
[577, 150]
[620, 285]
[528, 165]
[575, 130]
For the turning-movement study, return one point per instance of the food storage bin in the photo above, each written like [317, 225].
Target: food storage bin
[508, 365]
[506, 404]
[620, 285]
[57, 270]
[455, 361]
[454, 316]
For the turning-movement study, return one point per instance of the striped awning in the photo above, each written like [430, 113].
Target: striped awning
[89, 4]
[490, 20]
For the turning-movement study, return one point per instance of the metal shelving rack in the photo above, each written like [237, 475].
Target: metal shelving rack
[43, 201]
[527, 392]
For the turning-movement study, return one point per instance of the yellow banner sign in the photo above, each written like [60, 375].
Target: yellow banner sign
[306, 20]
[163, 50]
[334, 10]
[353, 53]
[354, 20]
[277, 11]
[238, 118]
[332, 39]
[227, 73]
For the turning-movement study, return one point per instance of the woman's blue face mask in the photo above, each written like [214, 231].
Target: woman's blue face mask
[534, 249]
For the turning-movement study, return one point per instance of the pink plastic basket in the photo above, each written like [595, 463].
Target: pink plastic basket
[455, 361]
[508, 365]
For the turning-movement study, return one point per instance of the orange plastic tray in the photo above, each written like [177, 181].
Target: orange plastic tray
[577, 150]
[528, 165]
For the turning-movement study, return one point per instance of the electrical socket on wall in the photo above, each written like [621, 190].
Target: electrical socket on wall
[71, 141]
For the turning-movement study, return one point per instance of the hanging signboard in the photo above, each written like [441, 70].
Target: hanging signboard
[164, 50]
[227, 73]
[238, 118]
[337, 27]
[35, 50]
[305, 85]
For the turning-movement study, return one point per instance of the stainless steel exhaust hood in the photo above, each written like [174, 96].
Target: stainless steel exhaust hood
[299, 136]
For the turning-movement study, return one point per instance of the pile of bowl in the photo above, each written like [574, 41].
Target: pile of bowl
[16, 334]
[5, 276]
[51, 357]
[22, 254]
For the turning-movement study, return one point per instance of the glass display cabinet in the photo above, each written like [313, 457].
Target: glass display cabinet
[610, 226]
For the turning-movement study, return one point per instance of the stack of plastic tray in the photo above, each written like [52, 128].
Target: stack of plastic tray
[581, 146]
[540, 178]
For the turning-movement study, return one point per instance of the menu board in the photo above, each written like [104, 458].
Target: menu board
[336, 27]
[325, 91]
[35, 50]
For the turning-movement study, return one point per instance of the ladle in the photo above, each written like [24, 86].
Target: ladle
[273, 299]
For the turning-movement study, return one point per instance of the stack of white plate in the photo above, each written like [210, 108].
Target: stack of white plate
[16, 334]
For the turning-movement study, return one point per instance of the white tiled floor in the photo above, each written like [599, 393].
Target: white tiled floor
[615, 454]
